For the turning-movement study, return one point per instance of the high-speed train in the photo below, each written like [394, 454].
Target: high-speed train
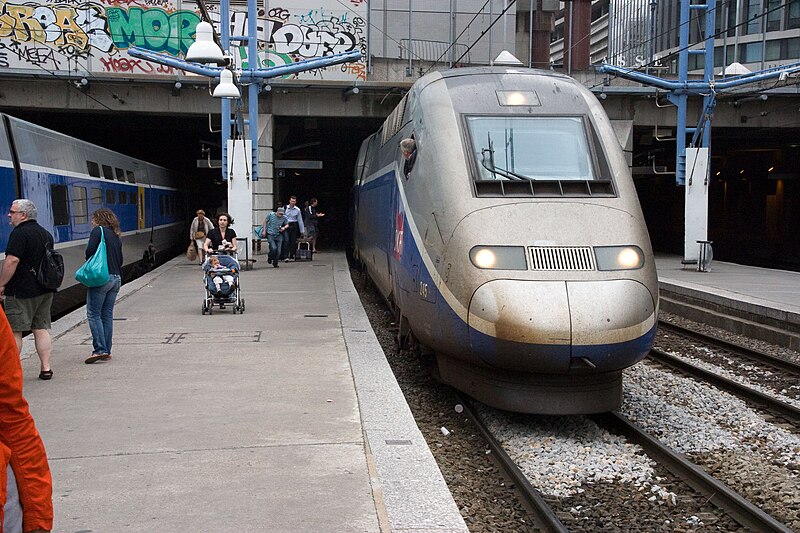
[68, 179]
[511, 242]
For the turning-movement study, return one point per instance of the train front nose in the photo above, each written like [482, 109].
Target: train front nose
[558, 326]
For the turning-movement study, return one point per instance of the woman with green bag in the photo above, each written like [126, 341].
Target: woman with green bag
[100, 300]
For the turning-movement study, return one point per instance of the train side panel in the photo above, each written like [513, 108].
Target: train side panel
[68, 179]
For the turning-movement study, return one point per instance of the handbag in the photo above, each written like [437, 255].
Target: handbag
[258, 231]
[94, 272]
[191, 252]
[200, 233]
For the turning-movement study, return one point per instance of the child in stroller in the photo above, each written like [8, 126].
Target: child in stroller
[221, 280]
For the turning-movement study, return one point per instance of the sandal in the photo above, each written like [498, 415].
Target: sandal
[46, 374]
[97, 357]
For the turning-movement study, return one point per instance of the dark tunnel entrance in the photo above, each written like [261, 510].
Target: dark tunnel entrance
[314, 158]
[754, 194]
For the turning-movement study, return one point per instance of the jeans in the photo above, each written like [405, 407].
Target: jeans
[100, 313]
[275, 243]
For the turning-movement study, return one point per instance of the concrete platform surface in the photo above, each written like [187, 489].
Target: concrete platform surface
[286, 418]
[775, 289]
[760, 303]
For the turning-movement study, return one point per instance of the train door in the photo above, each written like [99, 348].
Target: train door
[140, 203]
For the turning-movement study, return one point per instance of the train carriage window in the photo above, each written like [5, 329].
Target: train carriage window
[93, 169]
[123, 197]
[131, 176]
[60, 202]
[120, 174]
[97, 196]
[80, 207]
[133, 198]
[111, 197]
[108, 172]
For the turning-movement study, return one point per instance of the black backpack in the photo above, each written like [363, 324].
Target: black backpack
[50, 273]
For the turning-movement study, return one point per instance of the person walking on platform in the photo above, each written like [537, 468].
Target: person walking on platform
[222, 237]
[200, 227]
[312, 217]
[27, 495]
[27, 304]
[296, 228]
[100, 300]
[274, 227]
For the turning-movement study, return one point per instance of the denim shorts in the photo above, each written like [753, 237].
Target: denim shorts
[25, 314]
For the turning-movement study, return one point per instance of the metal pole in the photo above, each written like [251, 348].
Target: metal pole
[569, 51]
[369, 33]
[408, 50]
[225, 38]
[451, 36]
[724, 27]
[651, 37]
[738, 30]
[680, 100]
[530, 38]
[253, 88]
[491, 16]
[763, 32]
[708, 71]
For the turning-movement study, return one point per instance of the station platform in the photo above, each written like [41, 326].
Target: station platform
[286, 418]
[758, 302]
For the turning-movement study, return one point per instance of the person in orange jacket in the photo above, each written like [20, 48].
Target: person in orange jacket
[27, 485]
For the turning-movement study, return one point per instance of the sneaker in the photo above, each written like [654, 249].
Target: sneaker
[97, 357]
[286, 260]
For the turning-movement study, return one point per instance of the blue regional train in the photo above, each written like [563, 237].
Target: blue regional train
[511, 242]
[68, 179]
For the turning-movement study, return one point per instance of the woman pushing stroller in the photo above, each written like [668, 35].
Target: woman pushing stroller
[223, 237]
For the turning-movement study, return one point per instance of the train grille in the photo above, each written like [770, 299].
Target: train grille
[562, 258]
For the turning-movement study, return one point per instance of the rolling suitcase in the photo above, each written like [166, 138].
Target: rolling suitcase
[303, 252]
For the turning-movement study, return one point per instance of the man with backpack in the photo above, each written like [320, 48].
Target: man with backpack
[27, 302]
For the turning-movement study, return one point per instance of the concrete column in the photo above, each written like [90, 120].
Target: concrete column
[264, 189]
[576, 49]
[240, 189]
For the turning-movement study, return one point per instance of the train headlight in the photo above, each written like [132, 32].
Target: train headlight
[619, 257]
[499, 257]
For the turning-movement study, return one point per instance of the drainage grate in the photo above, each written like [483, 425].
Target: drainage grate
[315, 316]
[562, 258]
[402, 442]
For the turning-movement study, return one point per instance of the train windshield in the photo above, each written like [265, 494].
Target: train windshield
[531, 148]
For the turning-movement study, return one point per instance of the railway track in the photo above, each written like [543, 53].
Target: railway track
[717, 493]
[543, 515]
[777, 407]
[755, 397]
[742, 351]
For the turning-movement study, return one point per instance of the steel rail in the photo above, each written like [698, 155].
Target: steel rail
[783, 409]
[758, 355]
[544, 515]
[736, 506]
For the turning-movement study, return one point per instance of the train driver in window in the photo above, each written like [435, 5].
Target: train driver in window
[409, 149]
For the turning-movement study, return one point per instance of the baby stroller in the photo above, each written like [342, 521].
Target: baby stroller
[229, 292]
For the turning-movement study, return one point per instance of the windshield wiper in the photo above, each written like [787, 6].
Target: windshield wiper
[494, 170]
[491, 166]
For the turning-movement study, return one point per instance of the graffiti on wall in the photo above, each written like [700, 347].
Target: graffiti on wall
[286, 37]
[94, 36]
